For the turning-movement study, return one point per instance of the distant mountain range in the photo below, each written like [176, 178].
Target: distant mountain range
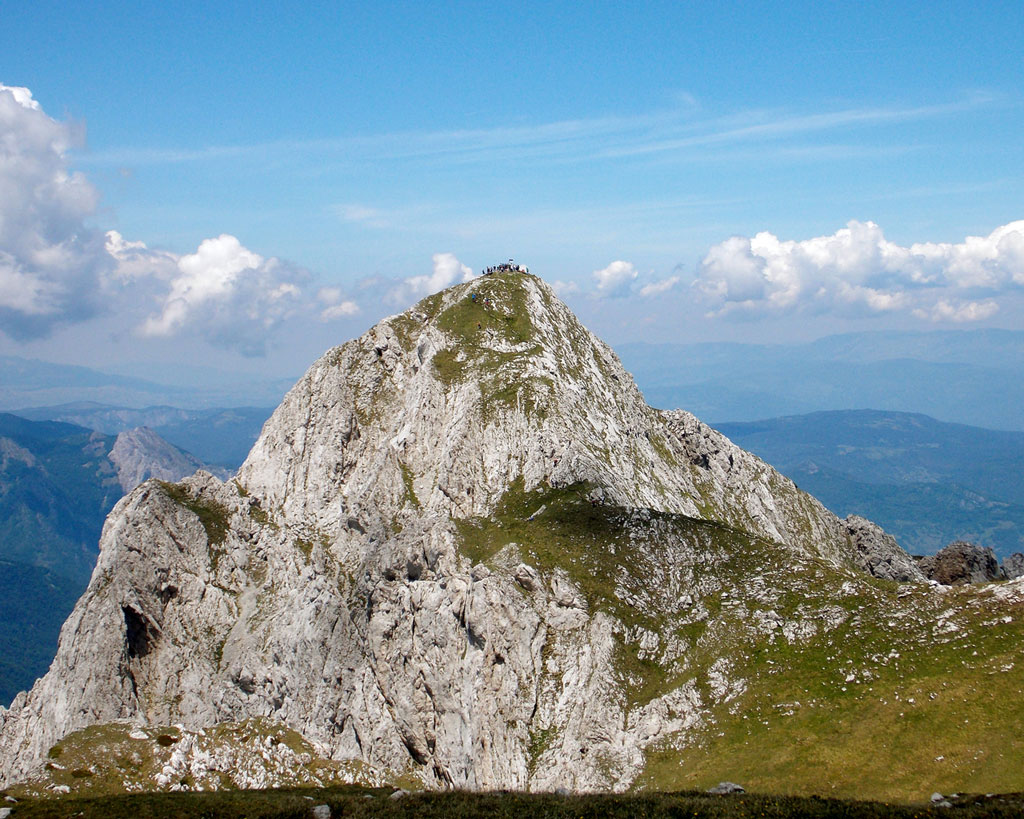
[32, 383]
[960, 376]
[970, 377]
[924, 481]
[218, 437]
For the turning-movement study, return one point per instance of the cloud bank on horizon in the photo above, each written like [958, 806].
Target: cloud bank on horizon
[56, 269]
[857, 271]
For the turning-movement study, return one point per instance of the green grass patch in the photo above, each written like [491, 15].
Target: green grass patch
[449, 367]
[480, 331]
[500, 308]
[618, 559]
[540, 741]
[213, 515]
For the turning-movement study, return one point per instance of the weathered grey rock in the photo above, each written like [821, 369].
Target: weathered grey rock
[321, 812]
[961, 562]
[139, 454]
[1013, 566]
[727, 787]
[878, 553]
[328, 587]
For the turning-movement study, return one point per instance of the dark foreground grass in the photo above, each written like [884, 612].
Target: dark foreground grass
[361, 802]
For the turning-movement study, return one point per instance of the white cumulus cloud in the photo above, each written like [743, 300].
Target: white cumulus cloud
[137, 262]
[55, 269]
[228, 294]
[52, 266]
[22, 96]
[447, 270]
[858, 270]
[614, 281]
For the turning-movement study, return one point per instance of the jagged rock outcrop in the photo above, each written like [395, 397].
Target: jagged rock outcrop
[878, 553]
[139, 454]
[1013, 566]
[463, 549]
[960, 563]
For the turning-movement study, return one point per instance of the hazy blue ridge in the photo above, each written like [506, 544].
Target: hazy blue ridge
[218, 437]
[56, 487]
[54, 499]
[970, 377]
[926, 482]
[222, 436]
[31, 383]
[996, 348]
[30, 373]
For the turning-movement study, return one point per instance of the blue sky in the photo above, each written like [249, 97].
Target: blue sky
[348, 148]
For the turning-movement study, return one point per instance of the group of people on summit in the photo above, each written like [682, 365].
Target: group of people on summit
[506, 267]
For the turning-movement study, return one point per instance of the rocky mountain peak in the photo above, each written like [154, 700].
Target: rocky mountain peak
[139, 454]
[463, 549]
[440, 410]
[443, 407]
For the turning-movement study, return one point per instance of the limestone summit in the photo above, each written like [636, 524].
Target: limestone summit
[465, 552]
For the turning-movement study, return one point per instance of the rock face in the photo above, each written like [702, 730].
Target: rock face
[463, 549]
[960, 563]
[1013, 566]
[878, 553]
[139, 454]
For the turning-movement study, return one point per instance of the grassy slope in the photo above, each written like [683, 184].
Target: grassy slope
[935, 717]
[935, 700]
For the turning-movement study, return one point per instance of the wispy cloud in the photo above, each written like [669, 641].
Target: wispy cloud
[659, 287]
[772, 125]
[362, 215]
[587, 139]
